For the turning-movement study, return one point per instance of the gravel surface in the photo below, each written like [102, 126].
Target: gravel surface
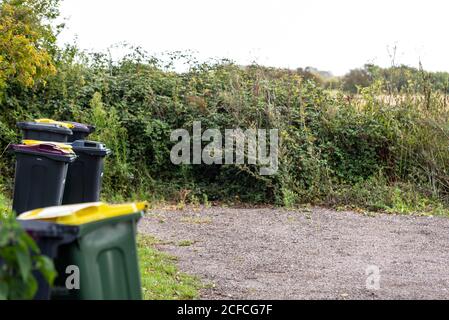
[267, 253]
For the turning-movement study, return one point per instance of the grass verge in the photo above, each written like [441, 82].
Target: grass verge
[376, 195]
[161, 279]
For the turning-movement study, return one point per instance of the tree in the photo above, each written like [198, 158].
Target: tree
[356, 78]
[27, 41]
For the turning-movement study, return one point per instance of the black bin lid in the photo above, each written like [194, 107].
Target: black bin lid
[47, 127]
[92, 148]
[44, 149]
[81, 127]
[41, 228]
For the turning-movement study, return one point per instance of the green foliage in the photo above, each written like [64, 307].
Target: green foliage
[5, 210]
[395, 122]
[27, 40]
[355, 79]
[395, 79]
[377, 194]
[330, 143]
[27, 50]
[110, 131]
[19, 257]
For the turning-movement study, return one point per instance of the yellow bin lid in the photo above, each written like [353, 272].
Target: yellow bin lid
[51, 121]
[76, 214]
[61, 146]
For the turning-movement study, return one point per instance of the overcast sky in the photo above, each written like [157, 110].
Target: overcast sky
[334, 35]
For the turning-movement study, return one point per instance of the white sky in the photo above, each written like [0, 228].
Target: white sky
[330, 35]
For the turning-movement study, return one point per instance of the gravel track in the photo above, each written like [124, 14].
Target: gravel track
[271, 253]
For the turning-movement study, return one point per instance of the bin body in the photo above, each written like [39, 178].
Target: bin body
[39, 179]
[106, 255]
[103, 254]
[44, 131]
[80, 131]
[85, 174]
[48, 237]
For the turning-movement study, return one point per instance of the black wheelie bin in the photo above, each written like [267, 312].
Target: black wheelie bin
[45, 130]
[84, 176]
[80, 131]
[41, 169]
[49, 237]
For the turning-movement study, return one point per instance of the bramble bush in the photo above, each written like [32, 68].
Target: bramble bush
[369, 150]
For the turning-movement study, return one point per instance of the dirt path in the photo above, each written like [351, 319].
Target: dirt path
[317, 254]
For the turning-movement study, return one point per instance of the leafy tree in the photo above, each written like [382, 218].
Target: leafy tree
[27, 41]
[356, 78]
[441, 81]
[310, 73]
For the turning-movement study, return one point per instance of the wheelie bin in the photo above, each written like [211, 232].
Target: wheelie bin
[49, 237]
[104, 251]
[41, 169]
[80, 131]
[46, 130]
[84, 175]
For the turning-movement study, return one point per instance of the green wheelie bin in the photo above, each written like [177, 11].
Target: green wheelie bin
[103, 254]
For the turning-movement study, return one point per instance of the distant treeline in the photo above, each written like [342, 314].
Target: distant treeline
[394, 79]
